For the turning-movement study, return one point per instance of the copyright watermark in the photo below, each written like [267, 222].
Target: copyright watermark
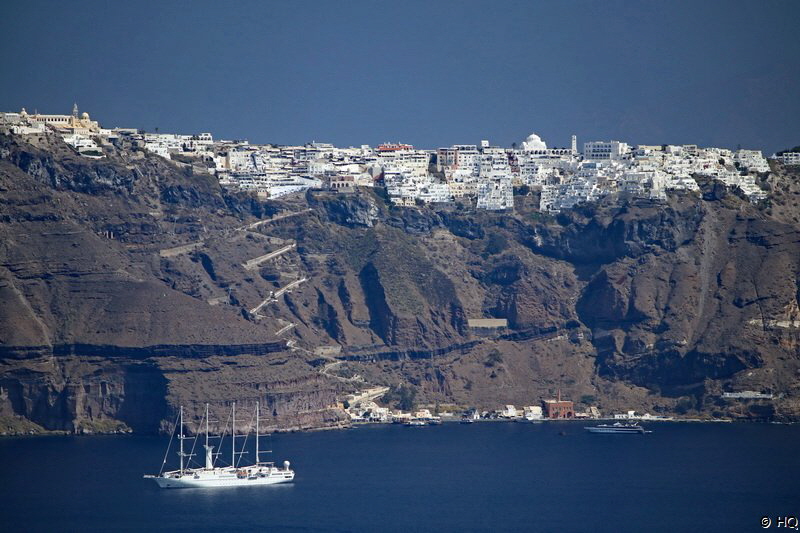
[788, 522]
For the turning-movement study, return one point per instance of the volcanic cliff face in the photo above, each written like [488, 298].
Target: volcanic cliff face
[695, 305]
[132, 284]
[91, 314]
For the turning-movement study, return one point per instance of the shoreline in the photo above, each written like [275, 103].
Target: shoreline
[356, 425]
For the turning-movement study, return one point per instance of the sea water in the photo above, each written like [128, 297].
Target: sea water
[487, 476]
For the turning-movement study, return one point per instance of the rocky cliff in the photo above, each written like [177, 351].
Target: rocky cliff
[94, 309]
[131, 284]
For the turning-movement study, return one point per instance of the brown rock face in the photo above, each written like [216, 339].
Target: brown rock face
[702, 310]
[125, 291]
[78, 394]
[90, 310]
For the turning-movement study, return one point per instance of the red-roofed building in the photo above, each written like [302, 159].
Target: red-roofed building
[558, 409]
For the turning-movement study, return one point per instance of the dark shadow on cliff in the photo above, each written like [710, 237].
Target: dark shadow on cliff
[144, 403]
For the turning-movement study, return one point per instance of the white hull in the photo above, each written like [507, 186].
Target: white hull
[618, 430]
[219, 477]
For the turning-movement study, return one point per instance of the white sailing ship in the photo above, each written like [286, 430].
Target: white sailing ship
[210, 475]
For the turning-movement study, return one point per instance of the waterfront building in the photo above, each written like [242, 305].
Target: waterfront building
[532, 412]
[509, 411]
[423, 414]
[558, 408]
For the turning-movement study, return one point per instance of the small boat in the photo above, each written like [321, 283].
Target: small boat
[467, 421]
[528, 420]
[617, 427]
[415, 423]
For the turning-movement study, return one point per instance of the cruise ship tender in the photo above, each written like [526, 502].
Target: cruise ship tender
[617, 427]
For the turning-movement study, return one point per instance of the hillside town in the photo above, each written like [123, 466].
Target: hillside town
[370, 406]
[483, 174]
[365, 407]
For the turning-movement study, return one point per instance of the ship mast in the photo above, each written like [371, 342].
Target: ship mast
[233, 437]
[257, 415]
[209, 454]
[180, 437]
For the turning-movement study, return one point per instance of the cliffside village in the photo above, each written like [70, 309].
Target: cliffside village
[484, 174]
[363, 408]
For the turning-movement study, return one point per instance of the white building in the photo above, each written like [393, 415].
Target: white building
[509, 411]
[751, 160]
[789, 158]
[488, 173]
[532, 412]
[600, 150]
[533, 143]
[496, 194]
[85, 146]
[435, 193]
[423, 414]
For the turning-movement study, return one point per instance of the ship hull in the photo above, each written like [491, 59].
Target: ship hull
[209, 479]
[638, 431]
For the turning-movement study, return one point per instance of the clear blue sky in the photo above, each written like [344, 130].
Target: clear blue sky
[430, 73]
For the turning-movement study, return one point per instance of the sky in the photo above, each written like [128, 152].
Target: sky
[429, 73]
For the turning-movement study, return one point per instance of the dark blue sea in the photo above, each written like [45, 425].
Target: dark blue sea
[480, 477]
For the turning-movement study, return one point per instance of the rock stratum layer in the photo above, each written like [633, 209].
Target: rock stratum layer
[131, 285]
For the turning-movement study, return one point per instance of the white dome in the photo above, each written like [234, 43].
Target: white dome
[533, 142]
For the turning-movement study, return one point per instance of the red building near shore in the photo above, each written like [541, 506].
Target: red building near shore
[558, 409]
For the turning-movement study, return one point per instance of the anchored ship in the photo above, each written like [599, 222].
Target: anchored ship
[210, 475]
[617, 428]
